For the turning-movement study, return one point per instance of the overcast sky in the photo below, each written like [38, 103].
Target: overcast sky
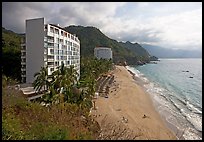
[176, 25]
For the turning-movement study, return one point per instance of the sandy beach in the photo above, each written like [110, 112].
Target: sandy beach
[128, 112]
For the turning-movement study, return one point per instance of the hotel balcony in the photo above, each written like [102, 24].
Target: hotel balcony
[49, 33]
[50, 46]
[50, 41]
[23, 56]
[23, 69]
[50, 59]
[50, 64]
[23, 44]
[23, 63]
[23, 49]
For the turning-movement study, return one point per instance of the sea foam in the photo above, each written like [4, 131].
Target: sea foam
[177, 110]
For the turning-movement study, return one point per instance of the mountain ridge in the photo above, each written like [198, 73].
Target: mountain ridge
[90, 37]
[162, 52]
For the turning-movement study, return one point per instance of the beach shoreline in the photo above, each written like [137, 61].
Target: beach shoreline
[163, 115]
[128, 112]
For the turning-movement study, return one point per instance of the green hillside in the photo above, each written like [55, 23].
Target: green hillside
[11, 54]
[90, 37]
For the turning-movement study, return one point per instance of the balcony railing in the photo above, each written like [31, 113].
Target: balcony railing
[23, 63]
[23, 50]
[23, 69]
[50, 46]
[23, 56]
[51, 41]
[50, 65]
[23, 44]
[50, 59]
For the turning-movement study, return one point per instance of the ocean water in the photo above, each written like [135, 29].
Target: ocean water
[175, 86]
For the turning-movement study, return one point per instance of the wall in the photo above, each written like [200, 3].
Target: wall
[34, 47]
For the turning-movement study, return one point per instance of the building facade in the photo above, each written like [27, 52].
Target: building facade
[103, 53]
[47, 45]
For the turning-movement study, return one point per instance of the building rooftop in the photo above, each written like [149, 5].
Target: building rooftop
[57, 26]
[102, 47]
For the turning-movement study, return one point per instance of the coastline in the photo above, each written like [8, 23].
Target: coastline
[128, 112]
[178, 133]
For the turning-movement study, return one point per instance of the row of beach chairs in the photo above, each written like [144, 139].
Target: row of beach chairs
[103, 85]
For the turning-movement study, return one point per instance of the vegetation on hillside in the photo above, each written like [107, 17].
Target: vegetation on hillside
[90, 37]
[23, 120]
[66, 112]
[63, 86]
[11, 54]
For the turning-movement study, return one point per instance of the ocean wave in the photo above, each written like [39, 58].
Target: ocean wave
[181, 113]
[193, 108]
[195, 120]
[190, 134]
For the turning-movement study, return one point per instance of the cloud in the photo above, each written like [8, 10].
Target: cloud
[184, 29]
[14, 14]
[172, 25]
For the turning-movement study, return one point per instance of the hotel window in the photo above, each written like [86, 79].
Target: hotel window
[56, 51]
[50, 57]
[56, 31]
[51, 29]
[45, 44]
[45, 38]
[61, 33]
[52, 51]
[69, 52]
[70, 43]
[56, 45]
[51, 69]
[65, 57]
[61, 41]
[50, 45]
[72, 37]
[45, 27]
[58, 40]
[56, 63]
[65, 34]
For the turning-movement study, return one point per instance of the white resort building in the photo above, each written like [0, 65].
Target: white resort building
[47, 45]
[103, 53]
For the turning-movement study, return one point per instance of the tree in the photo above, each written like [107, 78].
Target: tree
[63, 80]
[41, 79]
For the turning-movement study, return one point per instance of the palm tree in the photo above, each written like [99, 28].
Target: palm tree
[63, 80]
[70, 84]
[41, 79]
[58, 77]
[72, 75]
